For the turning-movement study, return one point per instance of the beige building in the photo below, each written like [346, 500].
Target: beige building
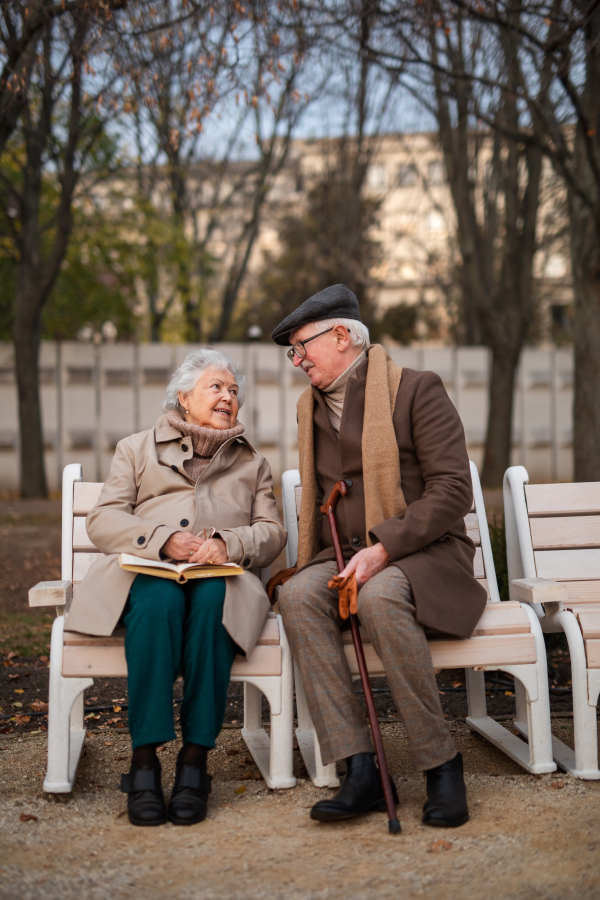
[415, 227]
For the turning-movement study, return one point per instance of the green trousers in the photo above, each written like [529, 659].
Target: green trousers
[175, 629]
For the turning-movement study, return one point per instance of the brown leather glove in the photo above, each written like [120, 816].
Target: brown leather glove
[279, 578]
[348, 593]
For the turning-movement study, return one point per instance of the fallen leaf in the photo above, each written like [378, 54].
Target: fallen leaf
[232, 752]
[38, 706]
[117, 708]
[14, 677]
[240, 790]
[11, 655]
[17, 704]
[109, 743]
[439, 846]
[557, 785]
[28, 817]
[19, 691]
[22, 720]
[43, 658]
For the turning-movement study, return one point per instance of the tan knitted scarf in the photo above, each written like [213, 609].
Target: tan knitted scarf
[381, 463]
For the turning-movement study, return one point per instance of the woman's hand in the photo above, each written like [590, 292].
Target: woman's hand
[181, 546]
[367, 563]
[213, 550]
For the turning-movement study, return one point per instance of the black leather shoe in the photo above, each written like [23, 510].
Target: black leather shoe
[446, 804]
[361, 792]
[190, 794]
[145, 801]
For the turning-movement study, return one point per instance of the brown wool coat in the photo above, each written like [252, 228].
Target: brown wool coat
[147, 497]
[428, 541]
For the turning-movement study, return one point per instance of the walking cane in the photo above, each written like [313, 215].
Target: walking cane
[328, 509]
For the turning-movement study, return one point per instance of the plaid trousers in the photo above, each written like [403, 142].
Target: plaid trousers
[387, 613]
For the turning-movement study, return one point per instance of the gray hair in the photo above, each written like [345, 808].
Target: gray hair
[359, 333]
[184, 378]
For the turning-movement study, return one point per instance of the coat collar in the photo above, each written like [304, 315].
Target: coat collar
[166, 432]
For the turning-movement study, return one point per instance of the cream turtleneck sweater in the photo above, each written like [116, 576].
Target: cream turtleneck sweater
[205, 441]
[335, 394]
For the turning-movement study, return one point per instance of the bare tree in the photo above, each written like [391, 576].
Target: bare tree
[453, 66]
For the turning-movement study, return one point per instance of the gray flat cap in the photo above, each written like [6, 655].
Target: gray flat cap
[334, 302]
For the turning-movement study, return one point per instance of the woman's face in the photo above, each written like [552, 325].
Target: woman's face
[213, 403]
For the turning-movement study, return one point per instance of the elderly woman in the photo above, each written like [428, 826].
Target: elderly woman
[192, 488]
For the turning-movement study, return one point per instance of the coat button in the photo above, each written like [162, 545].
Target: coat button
[175, 469]
[184, 448]
[356, 542]
[246, 564]
[348, 482]
[141, 540]
[184, 523]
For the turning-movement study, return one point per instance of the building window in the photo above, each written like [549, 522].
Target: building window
[407, 176]
[436, 172]
[377, 177]
[435, 223]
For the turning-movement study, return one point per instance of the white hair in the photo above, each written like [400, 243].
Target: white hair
[184, 378]
[359, 333]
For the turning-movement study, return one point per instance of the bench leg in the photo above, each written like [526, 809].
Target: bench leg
[320, 775]
[66, 732]
[274, 756]
[583, 761]
[533, 703]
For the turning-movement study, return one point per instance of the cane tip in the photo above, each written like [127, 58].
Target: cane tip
[394, 826]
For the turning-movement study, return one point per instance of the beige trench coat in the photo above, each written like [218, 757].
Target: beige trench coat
[147, 497]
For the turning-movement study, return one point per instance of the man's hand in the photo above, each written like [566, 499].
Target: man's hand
[367, 563]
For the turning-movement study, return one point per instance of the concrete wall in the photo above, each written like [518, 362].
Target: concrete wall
[93, 396]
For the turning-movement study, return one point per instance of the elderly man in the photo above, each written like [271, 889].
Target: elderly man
[396, 438]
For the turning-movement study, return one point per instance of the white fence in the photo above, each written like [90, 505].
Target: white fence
[93, 396]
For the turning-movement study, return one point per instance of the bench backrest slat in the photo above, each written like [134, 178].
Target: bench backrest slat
[564, 521]
[578, 499]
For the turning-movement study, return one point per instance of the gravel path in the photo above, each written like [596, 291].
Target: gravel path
[529, 837]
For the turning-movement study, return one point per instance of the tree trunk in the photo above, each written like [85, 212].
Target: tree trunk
[585, 255]
[499, 426]
[27, 344]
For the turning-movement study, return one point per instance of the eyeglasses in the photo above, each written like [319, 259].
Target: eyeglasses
[300, 350]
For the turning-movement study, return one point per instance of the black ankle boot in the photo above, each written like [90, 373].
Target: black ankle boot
[145, 801]
[361, 792]
[189, 799]
[446, 804]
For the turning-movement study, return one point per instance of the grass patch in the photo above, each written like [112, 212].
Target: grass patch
[27, 634]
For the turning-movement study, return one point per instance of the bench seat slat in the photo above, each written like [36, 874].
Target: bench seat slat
[457, 654]
[568, 565]
[497, 618]
[582, 498]
[583, 591]
[109, 662]
[565, 532]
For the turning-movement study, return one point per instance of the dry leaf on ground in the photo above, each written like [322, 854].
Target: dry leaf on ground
[439, 846]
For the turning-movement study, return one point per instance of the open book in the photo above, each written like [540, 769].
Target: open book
[180, 572]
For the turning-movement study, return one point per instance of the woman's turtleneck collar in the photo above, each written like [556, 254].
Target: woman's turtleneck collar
[205, 441]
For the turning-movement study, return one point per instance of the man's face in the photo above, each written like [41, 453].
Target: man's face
[327, 356]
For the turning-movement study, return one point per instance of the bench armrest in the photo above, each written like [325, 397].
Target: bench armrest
[540, 590]
[51, 593]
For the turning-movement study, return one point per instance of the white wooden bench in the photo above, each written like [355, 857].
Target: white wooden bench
[76, 659]
[553, 549]
[508, 638]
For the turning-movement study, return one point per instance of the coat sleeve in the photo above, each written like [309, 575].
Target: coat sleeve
[255, 546]
[111, 524]
[439, 443]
